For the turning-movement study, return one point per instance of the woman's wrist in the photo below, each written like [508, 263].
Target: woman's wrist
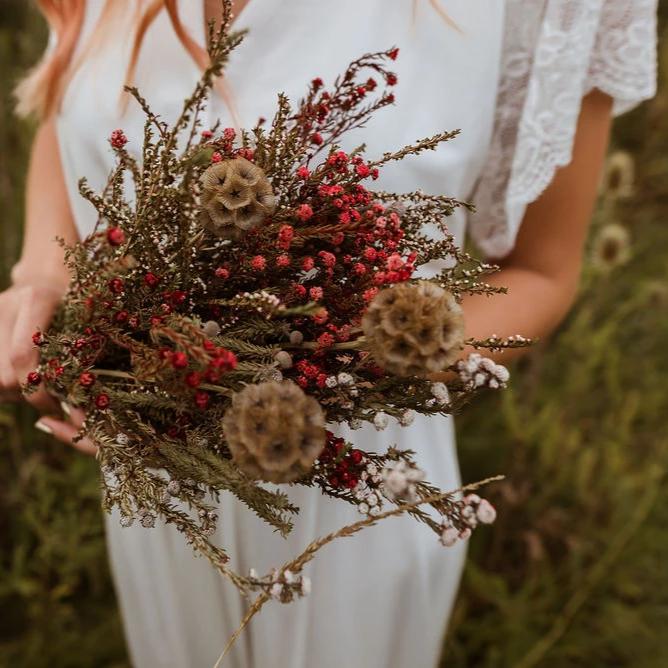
[51, 274]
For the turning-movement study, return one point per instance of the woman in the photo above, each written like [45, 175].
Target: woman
[532, 84]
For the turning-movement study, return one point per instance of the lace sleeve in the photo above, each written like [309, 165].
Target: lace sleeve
[555, 52]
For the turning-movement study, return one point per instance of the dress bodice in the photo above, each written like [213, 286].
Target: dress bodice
[447, 80]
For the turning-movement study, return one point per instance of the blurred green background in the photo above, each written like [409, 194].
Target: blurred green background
[575, 571]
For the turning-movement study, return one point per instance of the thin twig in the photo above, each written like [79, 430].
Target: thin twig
[297, 564]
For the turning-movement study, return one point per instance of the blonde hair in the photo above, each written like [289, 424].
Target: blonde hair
[41, 91]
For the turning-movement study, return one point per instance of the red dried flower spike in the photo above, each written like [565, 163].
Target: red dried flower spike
[201, 399]
[259, 263]
[87, 379]
[304, 212]
[118, 139]
[193, 379]
[179, 360]
[116, 286]
[38, 339]
[151, 279]
[102, 401]
[115, 236]
[34, 378]
[222, 272]
[393, 53]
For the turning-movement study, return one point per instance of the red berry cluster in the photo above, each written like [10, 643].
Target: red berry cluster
[115, 236]
[118, 139]
[342, 464]
[219, 361]
[323, 110]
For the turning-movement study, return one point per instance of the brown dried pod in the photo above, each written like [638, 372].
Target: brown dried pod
[413, 329]
[274, 431]
[236, 197]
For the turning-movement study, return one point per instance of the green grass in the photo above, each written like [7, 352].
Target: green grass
[573, 573]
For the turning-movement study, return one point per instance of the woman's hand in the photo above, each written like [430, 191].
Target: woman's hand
[25, 308]
[66, 430]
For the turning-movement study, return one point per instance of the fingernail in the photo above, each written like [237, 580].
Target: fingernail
[65, 408]
[42, 426]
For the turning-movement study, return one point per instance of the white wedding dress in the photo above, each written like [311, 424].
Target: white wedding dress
[382, 598]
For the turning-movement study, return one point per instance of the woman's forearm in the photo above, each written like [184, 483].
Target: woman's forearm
[48, 215]
[543, 270]
[533, 307]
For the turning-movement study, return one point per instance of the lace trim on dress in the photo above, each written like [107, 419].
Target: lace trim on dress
[555, 52]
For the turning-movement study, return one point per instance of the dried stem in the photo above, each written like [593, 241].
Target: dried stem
[297, 564]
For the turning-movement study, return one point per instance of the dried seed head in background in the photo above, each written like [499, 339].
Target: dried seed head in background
[236, 197]
[611, 247]
[413, 329]
[275, 432]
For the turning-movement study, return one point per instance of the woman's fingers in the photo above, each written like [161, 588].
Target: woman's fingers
[8, 387]
[75, 415]
[36, 305]
[66, 432]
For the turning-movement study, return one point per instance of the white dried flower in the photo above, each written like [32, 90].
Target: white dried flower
[148, 521]
[276, 590]
[477, 371]
[122, 439]
[398, 482]
[127, 521]
[252, 574]
[355, 424]
[363, 508]
[331, 382]
[449, 536]
[380, 421]
[440, 392]
[407, 418]
[289, 577]
[284, 359]
[345, 379]
[173, 487]
[211, 328]
[486, 512]
[296, 338]
[395, 482]
[305, 585]
[465, 534]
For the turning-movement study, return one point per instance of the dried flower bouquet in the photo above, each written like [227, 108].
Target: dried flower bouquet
[253, 289]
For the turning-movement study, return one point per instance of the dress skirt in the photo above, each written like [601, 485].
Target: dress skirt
[379, 599]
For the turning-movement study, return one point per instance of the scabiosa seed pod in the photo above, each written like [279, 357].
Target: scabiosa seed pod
[274, 431]
[236, 197]
[413, 329]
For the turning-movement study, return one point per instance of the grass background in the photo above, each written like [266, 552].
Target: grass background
[574, 573]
